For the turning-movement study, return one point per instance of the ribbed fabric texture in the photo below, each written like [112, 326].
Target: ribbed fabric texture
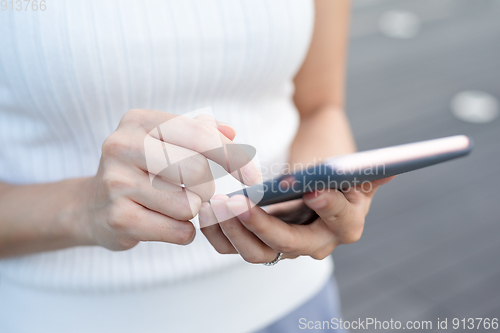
[68, 74]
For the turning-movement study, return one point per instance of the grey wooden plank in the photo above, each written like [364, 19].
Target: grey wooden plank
[470, 299]
[454, 277]
[426, 228]
[399, 91]
[424, 273]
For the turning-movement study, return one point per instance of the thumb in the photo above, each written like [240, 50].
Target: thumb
[227, 130]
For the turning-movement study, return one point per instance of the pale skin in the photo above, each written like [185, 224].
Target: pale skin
[118, 208]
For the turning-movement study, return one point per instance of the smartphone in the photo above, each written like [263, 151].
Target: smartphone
[343, 172]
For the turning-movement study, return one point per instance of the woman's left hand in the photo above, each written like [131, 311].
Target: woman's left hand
[258, 236]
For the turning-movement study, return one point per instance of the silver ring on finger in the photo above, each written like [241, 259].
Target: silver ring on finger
[275, 261]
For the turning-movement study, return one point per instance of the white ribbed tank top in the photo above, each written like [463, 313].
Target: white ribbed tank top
[69, 73]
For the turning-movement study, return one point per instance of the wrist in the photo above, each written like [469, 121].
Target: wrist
[76, 216]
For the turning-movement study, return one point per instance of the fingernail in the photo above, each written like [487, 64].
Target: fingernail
[316, 202]
[221, 123]
[220, 210]
[192, 238]
[251, 174]
[239, 206]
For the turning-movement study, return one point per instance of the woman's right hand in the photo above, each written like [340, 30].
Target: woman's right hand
[121, 205]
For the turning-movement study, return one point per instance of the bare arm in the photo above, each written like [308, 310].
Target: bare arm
[324, 130]
[41, 217]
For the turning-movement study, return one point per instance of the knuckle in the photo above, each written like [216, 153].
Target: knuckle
[185, 214]
[118, 217]
[114, 182]
[289, 244]
[114, 145]
[126, 244]
[257, 228]
[286, 248]
[122, 215]
[320, 255]
[323, 252]
[231, 227]
[197, 170]
[139, 118]
[342, 213]
[133, 116]
[135, 149]
[206, 118]
[204, 131]
[353, 235]
[205, 128]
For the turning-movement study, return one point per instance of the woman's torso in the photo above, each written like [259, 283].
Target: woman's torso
[69, 73]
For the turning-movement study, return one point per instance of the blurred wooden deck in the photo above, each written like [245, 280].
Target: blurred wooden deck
[431, 246]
